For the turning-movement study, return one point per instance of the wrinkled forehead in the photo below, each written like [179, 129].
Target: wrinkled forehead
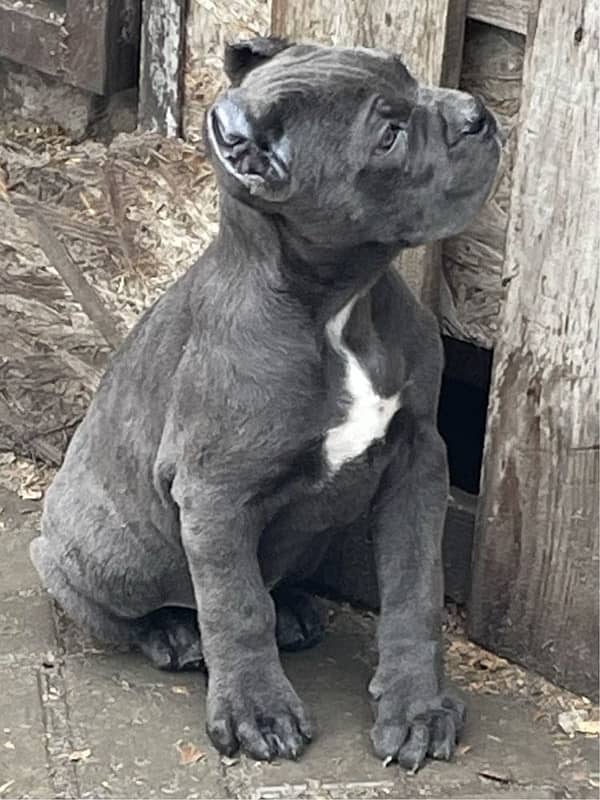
[312, 72]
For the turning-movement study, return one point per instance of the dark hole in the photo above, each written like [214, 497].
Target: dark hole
[463, 409]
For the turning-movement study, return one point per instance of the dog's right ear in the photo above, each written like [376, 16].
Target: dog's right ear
[262, 167]
[241, 57]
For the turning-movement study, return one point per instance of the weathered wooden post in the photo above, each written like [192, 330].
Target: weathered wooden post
[535, 568]
[161, 73]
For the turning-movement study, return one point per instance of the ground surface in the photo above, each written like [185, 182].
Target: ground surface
[78, 720]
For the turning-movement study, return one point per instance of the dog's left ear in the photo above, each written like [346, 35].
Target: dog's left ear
[241, 57]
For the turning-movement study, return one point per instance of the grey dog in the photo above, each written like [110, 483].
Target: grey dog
[284, 386]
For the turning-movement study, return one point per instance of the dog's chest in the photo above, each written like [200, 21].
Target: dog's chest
[363, 412]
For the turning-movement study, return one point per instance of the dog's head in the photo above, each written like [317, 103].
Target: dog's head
[347, 147]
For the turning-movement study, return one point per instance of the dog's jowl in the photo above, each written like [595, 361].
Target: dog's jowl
[283, 387]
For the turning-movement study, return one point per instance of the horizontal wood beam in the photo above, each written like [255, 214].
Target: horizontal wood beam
[33, 36]
[509, 14]
[93, 46]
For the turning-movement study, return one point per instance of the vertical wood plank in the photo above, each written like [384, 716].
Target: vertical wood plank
[208, 26]
[535, 570]
[162, 47]
[309, 19]
[428, 34]
[473, 261]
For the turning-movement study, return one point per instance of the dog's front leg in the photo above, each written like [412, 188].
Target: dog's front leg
[250, 703]
[414, 717]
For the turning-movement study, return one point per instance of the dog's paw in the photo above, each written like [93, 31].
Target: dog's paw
[300, 620]
[259, 713]
[171, 639]
[408, 735]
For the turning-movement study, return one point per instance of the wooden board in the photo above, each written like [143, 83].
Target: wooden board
[102, 44]
[472, 290]
[34, 36]
[93, 46]
[399, 25]
[535, 585]
[348, 571]
[429, 35]
[509, 14]
[162, 47]
[458, 544]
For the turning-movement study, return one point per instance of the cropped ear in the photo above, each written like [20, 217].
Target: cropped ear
[241, 57]
[261, 166]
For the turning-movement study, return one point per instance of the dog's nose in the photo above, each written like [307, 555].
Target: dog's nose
[463, 115]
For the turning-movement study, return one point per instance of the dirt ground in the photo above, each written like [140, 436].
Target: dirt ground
[80, 720]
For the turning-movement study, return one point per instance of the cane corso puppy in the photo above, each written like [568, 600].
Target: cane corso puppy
[284, 386]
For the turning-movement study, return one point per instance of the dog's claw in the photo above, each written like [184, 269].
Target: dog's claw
[433, 732]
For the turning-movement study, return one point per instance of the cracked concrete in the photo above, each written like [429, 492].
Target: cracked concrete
[79, 720]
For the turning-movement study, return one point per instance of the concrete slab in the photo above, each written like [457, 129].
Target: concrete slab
[19, 524]
[27, 631]
[23, 760]
[26, 628]
[133, 720]
[78, 719]
[504, 750]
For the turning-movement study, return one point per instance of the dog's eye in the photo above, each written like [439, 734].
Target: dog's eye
[388, 138]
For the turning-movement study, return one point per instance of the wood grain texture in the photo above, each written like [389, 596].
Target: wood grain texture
[418, 31]
[208, 26]
[535, 587]
[509, 14]
[472, 290]
[314, 20]
[162, 47]
[428, 35]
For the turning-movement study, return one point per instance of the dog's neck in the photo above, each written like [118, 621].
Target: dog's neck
[320, 277]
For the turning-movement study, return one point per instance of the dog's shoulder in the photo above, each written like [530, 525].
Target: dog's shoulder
[411, 334]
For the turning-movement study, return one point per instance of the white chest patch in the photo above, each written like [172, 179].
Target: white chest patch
[368, 415]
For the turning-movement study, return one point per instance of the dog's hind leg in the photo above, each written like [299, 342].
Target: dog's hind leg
[171, 639]
[301, 619]
[100, 621]
[169, 636]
